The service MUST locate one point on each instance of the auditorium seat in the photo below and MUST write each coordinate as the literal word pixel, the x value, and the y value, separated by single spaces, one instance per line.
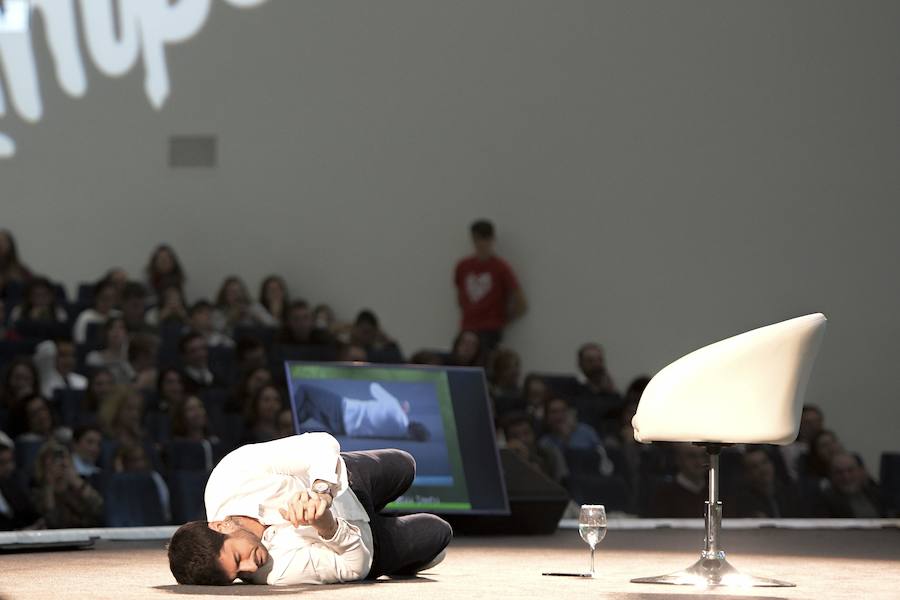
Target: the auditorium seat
pixel 187 488
pixel 889 479
pixel 69 404
pixel 26 455
pixel 132 500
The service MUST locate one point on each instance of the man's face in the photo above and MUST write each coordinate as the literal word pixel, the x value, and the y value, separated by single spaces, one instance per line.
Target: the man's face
pixel 557 414
pixel 846 475
pixel 88 447
pixel 105 299
pixel 759 470
pixel 300 321
pixel 242 553
pixel 195 353
pixel 522 432
pixel 7 463
pixel 691 462
pixel 593 361
pixel 483 246
pixel 65 358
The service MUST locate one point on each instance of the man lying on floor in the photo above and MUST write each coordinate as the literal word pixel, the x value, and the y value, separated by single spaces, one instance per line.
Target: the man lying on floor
pixel 297 510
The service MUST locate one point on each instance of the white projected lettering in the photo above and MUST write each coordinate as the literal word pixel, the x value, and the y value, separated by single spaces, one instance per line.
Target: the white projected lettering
pixel 116 34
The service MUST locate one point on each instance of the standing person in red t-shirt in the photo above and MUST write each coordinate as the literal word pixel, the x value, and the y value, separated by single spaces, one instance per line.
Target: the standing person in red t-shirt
pixel 487 289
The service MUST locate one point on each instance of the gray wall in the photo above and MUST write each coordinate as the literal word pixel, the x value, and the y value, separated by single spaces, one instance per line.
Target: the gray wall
pixel 663 175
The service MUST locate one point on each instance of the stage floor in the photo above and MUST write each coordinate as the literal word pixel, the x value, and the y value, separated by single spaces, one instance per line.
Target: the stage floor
pixel 863 564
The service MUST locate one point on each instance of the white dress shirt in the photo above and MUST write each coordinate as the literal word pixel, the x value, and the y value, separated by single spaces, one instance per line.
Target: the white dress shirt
pixel 257 480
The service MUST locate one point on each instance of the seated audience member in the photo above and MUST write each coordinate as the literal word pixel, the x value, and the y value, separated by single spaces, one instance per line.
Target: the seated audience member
pixel 195 358
pixel 247 388
pixel 274 297
pixel 171 389
pixel 20 380
pixel 822 447
pixel 200 320
pixel 86 445
pixel 34 422
pixel 119 278
pixel 262 416
pixel 521 439
pixel 599 400
pixel 16 508
pixel 134 309
pixel 684 495
pixel 563 431
pixel 102 310
pixel 851 493
pixel 503 373
pixel 12 269
pixel 285 423
pixel 466 350
pixel 7 333
pixel 113 356
pixel 38 304
pixel 170 310
pixel 298 327
pixel 142 355
pixel 121 416
pixel 425 357
pixel 794 455
pixel 250 354
pixel 352 353
pixel 60 495
pixel 190 422
pixel 164 270
pixel 535 393
pixel 367 333
pixel 324 319
pixel 234 308
pixel 763 496
pixel 56 363
pixel 100 385
pixel 632 452
pixel 132 458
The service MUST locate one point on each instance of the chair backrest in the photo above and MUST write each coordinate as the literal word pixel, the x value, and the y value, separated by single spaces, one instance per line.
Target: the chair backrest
pixel 745 389
pixel 132 500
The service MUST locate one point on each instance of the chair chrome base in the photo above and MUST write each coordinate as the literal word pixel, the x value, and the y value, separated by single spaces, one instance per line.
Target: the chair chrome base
pixel 713 572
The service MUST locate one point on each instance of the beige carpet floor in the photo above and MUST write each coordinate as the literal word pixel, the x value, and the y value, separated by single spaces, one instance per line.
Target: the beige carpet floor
pixel 824 564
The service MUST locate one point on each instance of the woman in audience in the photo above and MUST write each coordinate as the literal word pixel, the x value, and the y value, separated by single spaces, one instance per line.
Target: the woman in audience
pixel 171 308
pixel 262 418
pixel 121 416
pixel 163 270
pixel 170 389
pixel 234 308
pixel 113 356
pixel 61 496
pixel 503 373
pixel 285 423
pixel 247 388
pixel 39 304
pixel 466 350
pixel 11 267
pixel 190 422
pixel 100 385
pixel 823 446
pixel 20 380
pixel 143 351
pixel 34 422
pixel 105 298
pixel 274 297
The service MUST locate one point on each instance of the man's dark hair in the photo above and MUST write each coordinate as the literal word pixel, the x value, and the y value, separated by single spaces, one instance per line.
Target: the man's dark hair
pixel 245 345
pixel 194 555
pixel 187 339
pixel 513 418
pixel 199 305
pixel 366 316
pixel 482 229
pixel 83 430
pixel 132 290
pixel 585 347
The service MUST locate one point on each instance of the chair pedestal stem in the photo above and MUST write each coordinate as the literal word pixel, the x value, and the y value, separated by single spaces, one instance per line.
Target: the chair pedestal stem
pixel 713 570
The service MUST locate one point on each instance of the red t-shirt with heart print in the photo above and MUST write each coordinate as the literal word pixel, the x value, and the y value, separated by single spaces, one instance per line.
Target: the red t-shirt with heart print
pixel 484 287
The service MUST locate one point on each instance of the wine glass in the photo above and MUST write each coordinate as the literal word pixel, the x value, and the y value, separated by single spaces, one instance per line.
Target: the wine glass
pixel 592 527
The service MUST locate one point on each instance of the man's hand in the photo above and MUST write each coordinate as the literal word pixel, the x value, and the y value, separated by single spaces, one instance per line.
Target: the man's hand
pixel 308 508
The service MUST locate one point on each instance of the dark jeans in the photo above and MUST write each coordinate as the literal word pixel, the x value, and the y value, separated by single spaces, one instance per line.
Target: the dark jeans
pixel 403 544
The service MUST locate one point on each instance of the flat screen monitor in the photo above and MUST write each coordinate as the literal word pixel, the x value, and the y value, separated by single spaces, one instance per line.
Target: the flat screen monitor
pixel 440 415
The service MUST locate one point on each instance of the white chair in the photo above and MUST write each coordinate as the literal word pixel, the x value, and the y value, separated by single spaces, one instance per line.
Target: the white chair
pixel 745 389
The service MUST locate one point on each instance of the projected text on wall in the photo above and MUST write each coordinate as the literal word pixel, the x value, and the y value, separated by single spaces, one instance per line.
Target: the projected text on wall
pixel 116 34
